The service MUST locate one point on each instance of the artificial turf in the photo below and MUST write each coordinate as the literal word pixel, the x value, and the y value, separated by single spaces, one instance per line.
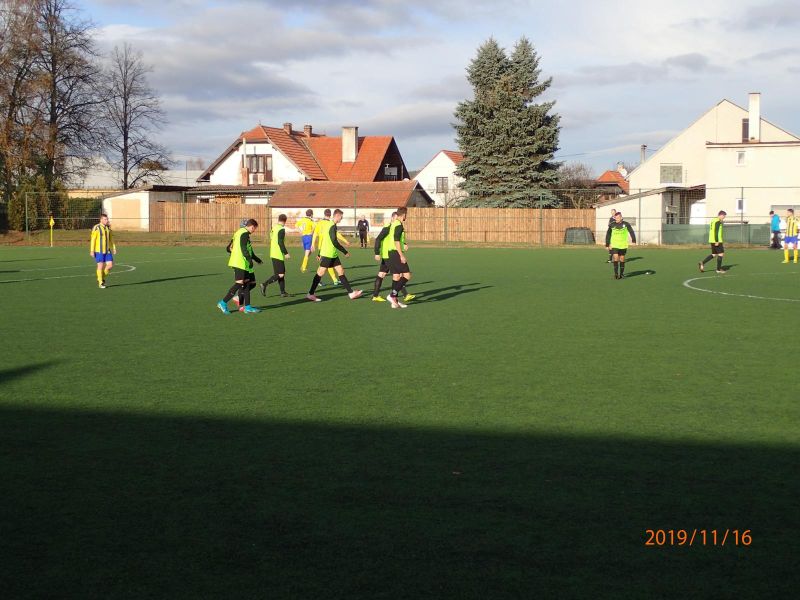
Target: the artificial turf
pixel 512 434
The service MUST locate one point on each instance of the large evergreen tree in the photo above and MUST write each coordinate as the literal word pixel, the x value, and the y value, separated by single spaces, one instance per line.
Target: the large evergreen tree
pixel 508 139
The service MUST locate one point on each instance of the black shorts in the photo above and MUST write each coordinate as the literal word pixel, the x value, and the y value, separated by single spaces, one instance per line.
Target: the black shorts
pixel 395 265
pixel 362 235
pixel 384 266
pixel 242 274
pixel 619 251
pixel 717 249
pixel 329 263
pixel 278 266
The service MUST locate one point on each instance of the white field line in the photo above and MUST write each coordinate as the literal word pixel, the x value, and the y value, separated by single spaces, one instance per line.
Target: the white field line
pixel 92 274
pixel 688 284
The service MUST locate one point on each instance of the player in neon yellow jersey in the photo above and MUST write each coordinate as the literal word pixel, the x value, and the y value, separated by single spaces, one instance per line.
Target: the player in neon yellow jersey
pixel 315 243
pixel 617 243
pixel 715 238
pixel 241 260
pixel 279 254
pixel 382 246
pixel 398 264
pixel 329 250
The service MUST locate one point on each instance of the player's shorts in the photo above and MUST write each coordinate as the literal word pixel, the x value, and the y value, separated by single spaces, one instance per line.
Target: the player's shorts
pixel 790 240
pixel 384 266
pixel 278 266
pixel 243 274
pixel 103 257
pixel 396 266
pixel 717 249
pixel 329 263
pixel 619 251
pixel 307 241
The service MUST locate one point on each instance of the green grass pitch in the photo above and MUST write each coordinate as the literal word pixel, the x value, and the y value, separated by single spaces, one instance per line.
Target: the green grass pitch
pixel 512 434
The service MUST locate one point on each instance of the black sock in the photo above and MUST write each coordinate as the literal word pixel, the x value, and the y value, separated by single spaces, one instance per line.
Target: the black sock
pixel 708 258
pixel 621 267
pixel 396 287
pixel 246 294
pixel 616 267
pixel 345 283
pixel 282 284
pixel 231 293
pixel 314 284
pixel 719 263
pixel 378 284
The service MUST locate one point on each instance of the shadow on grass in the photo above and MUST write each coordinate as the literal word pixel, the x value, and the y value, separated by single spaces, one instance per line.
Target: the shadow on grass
pixel 24 260
pixel 15 271
pixel 637 273
pixel 632 258
pixel 163 279
pixel 118 505
pixel 445 293
pixel 8 375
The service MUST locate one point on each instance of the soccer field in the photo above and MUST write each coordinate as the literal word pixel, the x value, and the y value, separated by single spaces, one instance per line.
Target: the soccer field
pixel 514 433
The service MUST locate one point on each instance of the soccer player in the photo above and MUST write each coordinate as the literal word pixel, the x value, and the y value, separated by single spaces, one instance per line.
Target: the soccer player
pixel 363 230
pixel 790 240
pixel 278 253
pixel 611 223
pixel 306 227
pixel 329 250
pixel 617 243
pixel 382 247
pixel 103 249
pixel 398 264
pixel 715 239
pixel 315 241
pixel 241 260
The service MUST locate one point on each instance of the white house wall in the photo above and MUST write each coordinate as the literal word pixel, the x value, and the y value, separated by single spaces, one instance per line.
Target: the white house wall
pixel 721 124
pixel 769 178
pixel 229 171
pixel 440 166
pixel 644 214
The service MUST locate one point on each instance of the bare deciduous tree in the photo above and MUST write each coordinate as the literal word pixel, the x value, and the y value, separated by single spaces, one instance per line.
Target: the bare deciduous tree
pixel 132 112
pixel 70 101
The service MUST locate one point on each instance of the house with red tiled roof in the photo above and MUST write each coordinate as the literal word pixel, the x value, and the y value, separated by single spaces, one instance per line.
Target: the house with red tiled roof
pixel 613 182
pixel 439 179
pixel 272 156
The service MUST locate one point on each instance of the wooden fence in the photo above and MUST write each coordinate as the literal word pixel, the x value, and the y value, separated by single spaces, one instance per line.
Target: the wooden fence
pixel 478 225
pixel 496 225
pixel 175 217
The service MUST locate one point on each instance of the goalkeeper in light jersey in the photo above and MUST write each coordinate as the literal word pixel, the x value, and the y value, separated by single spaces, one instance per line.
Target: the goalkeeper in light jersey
pixel 306 227
pixel 617 243
pixel 102 249
pixel 316 240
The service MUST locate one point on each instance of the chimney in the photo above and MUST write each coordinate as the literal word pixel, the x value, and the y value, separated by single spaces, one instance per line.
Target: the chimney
pixel 644 154
pixel 287 127
pixel 349 144
pixel 754 117
pixel 307 130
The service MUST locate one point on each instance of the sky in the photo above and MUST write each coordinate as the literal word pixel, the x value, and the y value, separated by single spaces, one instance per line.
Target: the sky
pixel 624 73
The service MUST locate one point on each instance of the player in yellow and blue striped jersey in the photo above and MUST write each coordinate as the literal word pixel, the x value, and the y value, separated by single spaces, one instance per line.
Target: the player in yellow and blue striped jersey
pixel 103 249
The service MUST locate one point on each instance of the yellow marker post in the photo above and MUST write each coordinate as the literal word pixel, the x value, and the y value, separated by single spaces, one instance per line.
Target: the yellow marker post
pixel 52 222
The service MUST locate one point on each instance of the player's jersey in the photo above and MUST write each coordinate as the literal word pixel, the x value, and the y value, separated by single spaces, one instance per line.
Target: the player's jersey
pixel 791 226
pixel 618 234
pixel 101 240
pixel 326 246
pixel 318 229
pixel 715 232
pixel 274 245
pixel 386 243
pixel 305 225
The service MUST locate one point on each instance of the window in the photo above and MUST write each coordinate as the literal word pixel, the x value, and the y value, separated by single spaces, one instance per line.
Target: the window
pixel 741 157
pixel 377 219
pixel 741 205
pixel 389 173
pixel 745 130
pixel 259 168
pixel 441 185
pixel 671 173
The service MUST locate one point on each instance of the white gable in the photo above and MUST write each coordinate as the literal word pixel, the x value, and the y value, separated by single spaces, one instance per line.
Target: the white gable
pixel 440 166
pixel 229 171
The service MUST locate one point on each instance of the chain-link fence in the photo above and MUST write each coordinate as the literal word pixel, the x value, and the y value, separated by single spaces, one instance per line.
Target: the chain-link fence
pixel 665 216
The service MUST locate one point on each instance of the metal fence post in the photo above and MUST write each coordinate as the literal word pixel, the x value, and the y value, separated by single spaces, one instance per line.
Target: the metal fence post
pixel 27 234
pixel 183 217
